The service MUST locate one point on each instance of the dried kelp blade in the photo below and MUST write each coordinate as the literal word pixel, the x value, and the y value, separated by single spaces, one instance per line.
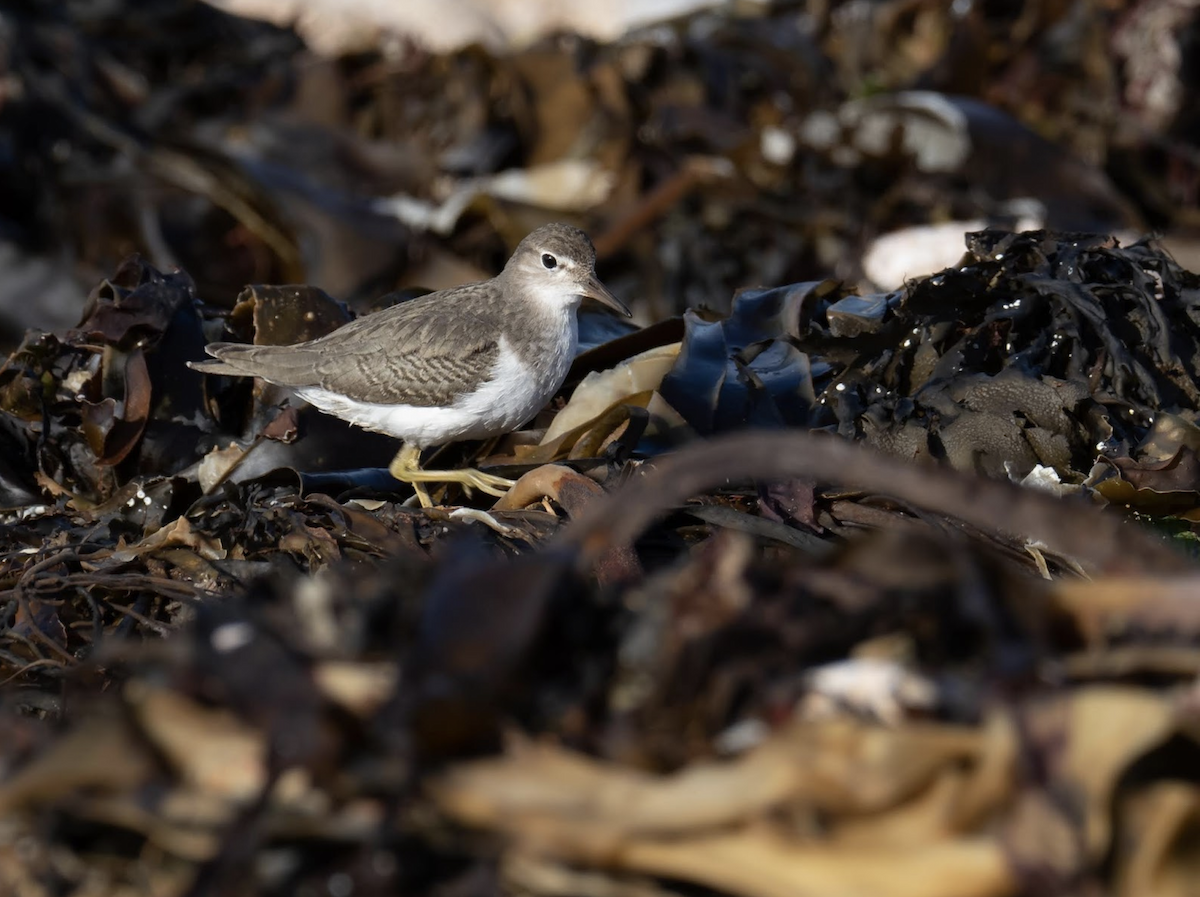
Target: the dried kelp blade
pixel 1079 532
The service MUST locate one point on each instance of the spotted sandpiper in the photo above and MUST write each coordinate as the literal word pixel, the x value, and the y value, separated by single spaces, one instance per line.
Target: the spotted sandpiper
pixel 470 362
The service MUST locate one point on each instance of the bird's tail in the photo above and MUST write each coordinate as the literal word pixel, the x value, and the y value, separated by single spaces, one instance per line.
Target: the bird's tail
pixel 226 357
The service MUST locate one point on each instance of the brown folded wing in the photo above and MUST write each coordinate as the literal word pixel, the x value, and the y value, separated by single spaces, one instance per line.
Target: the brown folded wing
pixel 416 353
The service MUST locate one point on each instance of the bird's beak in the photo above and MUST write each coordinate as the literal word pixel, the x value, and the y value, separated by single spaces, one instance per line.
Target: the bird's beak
pixel 594 289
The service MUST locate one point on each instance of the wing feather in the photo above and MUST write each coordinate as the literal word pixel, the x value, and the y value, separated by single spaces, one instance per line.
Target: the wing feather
pixel 425 352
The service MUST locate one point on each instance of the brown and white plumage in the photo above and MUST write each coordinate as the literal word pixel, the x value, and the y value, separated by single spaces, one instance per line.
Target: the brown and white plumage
pixel 469 362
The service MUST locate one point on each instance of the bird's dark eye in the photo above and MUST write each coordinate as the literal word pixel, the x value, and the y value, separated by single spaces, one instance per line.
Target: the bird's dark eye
pixel 549 261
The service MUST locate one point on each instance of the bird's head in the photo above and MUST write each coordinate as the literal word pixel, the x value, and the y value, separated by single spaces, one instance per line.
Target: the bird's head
pixel 556 264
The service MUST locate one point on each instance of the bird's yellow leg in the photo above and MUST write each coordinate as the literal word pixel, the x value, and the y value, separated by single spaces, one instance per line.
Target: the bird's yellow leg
pixel 406 467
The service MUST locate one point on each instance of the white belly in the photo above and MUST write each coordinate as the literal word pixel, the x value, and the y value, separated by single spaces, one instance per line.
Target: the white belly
pixel 514 393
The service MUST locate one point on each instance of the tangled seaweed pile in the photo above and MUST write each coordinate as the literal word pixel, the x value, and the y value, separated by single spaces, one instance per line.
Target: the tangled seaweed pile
pixel 767 612
pixel 768 662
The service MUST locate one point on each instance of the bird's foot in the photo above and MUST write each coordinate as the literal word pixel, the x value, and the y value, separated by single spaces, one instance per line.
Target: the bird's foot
pixel 406 468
